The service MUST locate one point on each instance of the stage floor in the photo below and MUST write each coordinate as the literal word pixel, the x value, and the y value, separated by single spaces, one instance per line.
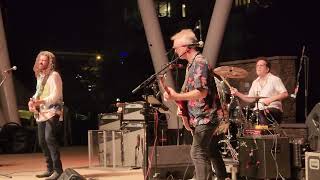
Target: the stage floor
pixel 25 166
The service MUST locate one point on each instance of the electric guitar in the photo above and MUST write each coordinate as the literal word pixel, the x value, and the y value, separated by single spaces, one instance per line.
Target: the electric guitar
pixel 182 105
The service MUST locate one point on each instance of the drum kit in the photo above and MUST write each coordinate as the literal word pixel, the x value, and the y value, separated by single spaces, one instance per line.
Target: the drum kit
pixel 238 117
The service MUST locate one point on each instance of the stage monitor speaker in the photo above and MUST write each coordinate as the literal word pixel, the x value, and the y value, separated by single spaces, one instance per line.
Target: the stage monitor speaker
pixel 313 125
pixel 173 162
pixel 264 157
pixel 70 174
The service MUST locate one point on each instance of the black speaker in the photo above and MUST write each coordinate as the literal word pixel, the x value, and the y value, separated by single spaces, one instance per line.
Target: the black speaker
pixel 172 162
pixel 70 174
pixel 264 157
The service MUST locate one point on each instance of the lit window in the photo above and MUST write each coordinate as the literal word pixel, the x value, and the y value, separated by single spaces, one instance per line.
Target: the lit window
pixel 164 9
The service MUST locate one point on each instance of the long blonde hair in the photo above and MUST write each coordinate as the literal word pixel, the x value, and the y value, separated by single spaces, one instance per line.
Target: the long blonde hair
pixel 51 65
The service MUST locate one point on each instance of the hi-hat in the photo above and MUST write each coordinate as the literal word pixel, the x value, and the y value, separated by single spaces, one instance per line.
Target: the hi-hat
pixel 230 72
pixel 256 97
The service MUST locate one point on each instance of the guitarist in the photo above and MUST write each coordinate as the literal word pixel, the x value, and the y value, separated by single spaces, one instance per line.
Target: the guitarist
pixel 199 91
pixel 46 104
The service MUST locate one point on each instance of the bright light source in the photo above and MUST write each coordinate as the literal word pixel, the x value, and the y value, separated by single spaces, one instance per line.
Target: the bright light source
pixel 184 14
pixel 98 57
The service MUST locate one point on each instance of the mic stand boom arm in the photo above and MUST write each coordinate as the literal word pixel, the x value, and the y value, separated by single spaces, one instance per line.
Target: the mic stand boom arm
pixel 144 85
pixel 153 76
pixel 4 78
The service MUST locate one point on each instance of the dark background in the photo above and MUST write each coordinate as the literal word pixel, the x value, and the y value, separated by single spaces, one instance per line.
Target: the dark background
pixel 77 30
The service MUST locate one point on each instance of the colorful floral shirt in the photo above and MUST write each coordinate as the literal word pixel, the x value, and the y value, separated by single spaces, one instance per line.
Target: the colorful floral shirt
pixel 201 111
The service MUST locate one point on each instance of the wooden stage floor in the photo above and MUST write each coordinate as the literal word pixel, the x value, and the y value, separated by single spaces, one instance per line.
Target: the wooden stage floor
pixel 25 166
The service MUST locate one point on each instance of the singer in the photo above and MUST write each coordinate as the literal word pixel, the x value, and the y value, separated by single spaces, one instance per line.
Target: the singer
pixel 199 92
pixel 268 90
pixel 46 104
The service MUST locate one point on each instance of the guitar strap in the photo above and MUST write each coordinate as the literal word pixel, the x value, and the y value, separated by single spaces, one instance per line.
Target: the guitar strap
pixel 41 82
pixel 183 88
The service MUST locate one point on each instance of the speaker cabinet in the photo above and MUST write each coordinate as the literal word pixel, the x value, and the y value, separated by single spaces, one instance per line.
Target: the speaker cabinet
pixel 109 121
pixel 312 165
pixel 264 157
pixel 172 161
pixel 70 174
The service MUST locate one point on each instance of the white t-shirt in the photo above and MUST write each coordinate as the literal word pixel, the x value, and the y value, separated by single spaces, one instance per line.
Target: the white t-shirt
pixel 273 86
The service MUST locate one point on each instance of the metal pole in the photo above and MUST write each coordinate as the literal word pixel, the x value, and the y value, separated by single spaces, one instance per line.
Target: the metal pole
pixel 7 92
pixel 216 29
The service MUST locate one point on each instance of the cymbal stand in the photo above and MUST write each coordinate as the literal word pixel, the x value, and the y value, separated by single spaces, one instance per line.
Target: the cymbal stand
pixel 229 147
pixel 257 112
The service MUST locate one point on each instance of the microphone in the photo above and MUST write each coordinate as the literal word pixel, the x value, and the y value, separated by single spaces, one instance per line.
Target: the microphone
pixel 172 66
pixel 200 29
pixel 197 44
pixel 11 69
pixel 294 95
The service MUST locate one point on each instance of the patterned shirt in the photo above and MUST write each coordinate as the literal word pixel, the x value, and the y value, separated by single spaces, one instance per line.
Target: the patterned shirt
pixel 198 76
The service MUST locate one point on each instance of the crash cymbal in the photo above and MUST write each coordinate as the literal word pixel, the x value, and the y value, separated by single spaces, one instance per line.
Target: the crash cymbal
pixel 230 72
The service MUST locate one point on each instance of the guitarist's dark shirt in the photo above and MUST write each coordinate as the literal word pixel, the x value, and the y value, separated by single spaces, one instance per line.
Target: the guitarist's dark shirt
pixel 201 111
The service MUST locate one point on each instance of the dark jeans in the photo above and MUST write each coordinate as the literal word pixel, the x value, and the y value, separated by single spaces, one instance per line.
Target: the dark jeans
pixel 204 151
pixel 47 135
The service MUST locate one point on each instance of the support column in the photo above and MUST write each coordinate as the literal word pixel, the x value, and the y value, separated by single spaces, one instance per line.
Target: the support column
pixel 157 50
pixel 8 105
pixel 216 29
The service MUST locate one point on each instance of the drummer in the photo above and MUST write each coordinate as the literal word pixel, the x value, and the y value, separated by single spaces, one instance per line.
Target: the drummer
pixel 268 90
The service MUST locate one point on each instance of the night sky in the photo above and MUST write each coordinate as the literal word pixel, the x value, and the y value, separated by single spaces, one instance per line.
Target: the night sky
pixel 114 29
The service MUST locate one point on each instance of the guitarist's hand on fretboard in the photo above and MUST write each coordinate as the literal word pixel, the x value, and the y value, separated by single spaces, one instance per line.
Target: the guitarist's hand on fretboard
pixel 32 106
pixel 169 94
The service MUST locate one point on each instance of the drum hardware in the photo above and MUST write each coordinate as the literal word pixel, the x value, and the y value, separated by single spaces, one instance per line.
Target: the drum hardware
pixel 256 101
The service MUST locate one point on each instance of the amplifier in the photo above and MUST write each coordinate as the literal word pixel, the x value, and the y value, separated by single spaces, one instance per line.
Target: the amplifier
pixel 132 111
pixel 173 162
pixel 109 121
pixel 312 165
pixel 264 157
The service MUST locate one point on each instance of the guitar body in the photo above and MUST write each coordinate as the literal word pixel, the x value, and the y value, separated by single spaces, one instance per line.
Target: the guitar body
pixel 182 105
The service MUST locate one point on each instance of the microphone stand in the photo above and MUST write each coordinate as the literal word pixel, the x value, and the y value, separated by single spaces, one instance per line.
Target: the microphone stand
pixel 306 86
pixel 2 81
pixel 4 78
pixel 144 85
pixel 304 61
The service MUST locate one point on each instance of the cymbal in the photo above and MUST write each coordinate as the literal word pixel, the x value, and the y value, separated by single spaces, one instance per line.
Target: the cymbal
pixel 257 97
pixel 230 72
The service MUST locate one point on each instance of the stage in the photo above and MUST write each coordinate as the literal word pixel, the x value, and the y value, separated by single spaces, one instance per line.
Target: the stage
pixel 25 166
